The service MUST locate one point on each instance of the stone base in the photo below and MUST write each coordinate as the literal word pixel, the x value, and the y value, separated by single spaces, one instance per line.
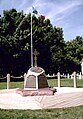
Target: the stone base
pixel 39 92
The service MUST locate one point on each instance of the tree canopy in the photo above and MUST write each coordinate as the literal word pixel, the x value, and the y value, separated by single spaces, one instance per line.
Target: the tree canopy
pixel 15 44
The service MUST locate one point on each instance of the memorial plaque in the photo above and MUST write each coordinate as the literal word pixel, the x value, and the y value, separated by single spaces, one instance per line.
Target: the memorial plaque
pixel 42 81
pixel 30 82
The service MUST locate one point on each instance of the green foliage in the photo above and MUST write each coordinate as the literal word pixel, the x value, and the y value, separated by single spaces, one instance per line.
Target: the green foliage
pixel 74 53
pixel 55 53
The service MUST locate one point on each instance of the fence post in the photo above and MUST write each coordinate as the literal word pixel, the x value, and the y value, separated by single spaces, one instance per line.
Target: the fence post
pixel 24 79
pixel 75 80
pixel 68 76
pixel 80 76
pixel 8 81
pixel 59 83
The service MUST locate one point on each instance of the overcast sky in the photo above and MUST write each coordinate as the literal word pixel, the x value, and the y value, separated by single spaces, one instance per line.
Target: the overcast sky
pixel 67 14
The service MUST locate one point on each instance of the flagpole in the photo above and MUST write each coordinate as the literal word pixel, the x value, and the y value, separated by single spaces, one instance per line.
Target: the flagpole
pixel 31 44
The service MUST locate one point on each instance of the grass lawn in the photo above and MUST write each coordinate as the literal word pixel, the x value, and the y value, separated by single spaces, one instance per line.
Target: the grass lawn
pixel 65 83
pixel 63 113
pixel 3 85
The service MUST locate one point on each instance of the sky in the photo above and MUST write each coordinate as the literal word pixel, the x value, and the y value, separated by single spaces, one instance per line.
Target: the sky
pixel 67 14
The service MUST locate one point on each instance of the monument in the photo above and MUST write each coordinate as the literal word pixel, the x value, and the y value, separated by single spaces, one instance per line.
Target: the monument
pixel 35 82
pixel 35 79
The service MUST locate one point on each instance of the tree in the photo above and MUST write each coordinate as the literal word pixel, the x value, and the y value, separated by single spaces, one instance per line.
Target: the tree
pixel 15 45
pixel 57 50
pixel 74 54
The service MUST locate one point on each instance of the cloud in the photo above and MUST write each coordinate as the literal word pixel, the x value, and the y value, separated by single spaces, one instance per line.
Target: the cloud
pixel 64 10
pixel 56 11
pixel 18 4
pixel 71 34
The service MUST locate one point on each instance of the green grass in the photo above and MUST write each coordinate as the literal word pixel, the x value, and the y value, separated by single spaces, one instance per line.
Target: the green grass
pixel 63 113
pixel 65 83
pixel 3 85
pixel 51 82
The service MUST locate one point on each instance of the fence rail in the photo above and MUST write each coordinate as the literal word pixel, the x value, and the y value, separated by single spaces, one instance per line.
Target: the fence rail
pixel 1 78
